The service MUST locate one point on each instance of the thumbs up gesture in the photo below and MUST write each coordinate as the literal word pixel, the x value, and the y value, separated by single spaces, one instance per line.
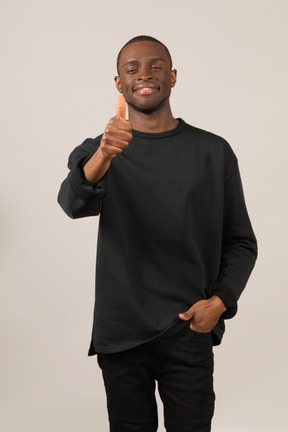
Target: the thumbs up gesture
pixel 117 134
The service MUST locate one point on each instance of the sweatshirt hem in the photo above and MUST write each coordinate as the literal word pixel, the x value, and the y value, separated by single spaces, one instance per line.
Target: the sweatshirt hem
pixel 171 329
pixel 217 335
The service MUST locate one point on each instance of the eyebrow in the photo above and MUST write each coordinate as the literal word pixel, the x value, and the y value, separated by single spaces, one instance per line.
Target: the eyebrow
pixel 137 62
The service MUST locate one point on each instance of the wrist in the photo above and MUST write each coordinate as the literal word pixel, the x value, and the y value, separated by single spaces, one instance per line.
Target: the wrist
pixel 218 304
pixel 104 158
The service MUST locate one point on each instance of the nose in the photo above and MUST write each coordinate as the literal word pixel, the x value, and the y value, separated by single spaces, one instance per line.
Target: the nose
pixel 144 74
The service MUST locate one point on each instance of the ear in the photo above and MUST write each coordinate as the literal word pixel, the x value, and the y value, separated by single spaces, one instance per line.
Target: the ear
pixel 173 77
pixel 118 83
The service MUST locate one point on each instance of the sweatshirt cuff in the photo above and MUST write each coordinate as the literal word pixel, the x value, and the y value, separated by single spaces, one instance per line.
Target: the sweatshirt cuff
pixel 82 187
pixel 228 298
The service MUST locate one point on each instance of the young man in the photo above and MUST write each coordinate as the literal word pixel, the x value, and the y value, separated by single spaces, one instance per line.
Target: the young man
pixel 175 247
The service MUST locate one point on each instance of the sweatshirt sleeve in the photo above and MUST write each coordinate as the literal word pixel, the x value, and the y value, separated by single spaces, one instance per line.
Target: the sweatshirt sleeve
pixel 239 246
pixel 77 197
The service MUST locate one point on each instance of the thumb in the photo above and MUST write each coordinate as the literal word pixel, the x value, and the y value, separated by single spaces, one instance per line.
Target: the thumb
pixel 121 107
pixel 185 316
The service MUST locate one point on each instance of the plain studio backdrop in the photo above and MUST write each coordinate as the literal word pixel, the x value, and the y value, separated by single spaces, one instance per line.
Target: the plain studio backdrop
pixel 57 77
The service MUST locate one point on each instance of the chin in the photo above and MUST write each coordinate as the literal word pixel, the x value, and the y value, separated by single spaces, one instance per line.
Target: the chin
pixel 143 109
pixel 147 110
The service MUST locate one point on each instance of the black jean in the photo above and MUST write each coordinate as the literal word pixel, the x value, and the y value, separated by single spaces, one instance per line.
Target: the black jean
pixel 181 363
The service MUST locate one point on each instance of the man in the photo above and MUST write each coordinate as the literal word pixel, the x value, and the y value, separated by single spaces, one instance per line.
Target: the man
pixel 175 247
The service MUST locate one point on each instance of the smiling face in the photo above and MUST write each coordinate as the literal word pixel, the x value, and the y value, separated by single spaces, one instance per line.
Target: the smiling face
pixel 145 76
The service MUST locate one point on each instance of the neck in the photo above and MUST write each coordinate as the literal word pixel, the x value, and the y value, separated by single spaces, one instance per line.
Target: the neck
pixel 156 122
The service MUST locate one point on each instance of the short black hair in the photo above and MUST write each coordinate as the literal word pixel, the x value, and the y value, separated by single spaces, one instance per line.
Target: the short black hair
pixel 143 38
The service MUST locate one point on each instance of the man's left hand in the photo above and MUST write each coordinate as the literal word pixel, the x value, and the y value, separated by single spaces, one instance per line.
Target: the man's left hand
pixel 204 314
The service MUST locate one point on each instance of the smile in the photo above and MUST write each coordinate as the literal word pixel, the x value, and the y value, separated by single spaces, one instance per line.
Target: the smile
pixel 146 90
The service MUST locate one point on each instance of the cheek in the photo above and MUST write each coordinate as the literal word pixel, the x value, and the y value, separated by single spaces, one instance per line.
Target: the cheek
pixel 125 87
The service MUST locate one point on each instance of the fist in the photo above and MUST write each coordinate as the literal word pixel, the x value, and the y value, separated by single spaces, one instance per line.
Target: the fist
pixel 117 134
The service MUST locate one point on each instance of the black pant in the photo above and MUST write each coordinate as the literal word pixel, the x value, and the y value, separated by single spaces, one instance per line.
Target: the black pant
pixel 181 363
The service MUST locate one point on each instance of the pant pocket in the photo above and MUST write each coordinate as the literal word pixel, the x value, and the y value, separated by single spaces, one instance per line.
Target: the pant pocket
pixel 196 333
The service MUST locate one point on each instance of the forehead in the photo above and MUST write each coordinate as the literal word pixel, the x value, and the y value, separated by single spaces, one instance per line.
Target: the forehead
pixel 143 51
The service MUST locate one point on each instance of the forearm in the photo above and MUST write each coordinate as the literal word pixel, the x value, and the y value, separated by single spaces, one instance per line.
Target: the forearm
pixel 96 167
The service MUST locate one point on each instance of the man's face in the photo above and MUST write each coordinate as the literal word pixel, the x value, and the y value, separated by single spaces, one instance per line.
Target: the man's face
pixel 145 76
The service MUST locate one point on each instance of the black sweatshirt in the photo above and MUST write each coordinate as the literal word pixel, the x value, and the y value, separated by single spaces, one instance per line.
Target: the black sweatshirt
pixel 173 230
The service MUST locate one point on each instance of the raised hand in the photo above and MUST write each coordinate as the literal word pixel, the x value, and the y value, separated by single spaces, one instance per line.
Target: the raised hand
pixel 117 134
pixel 115 139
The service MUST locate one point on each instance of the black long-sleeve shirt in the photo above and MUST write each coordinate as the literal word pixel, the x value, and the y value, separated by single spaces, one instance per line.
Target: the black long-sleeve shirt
pixel 173 230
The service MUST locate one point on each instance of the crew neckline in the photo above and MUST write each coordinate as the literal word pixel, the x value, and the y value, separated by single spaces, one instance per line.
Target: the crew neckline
pixel 167 133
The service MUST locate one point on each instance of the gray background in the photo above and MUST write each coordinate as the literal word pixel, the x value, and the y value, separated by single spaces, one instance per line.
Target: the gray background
pixel 57 88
